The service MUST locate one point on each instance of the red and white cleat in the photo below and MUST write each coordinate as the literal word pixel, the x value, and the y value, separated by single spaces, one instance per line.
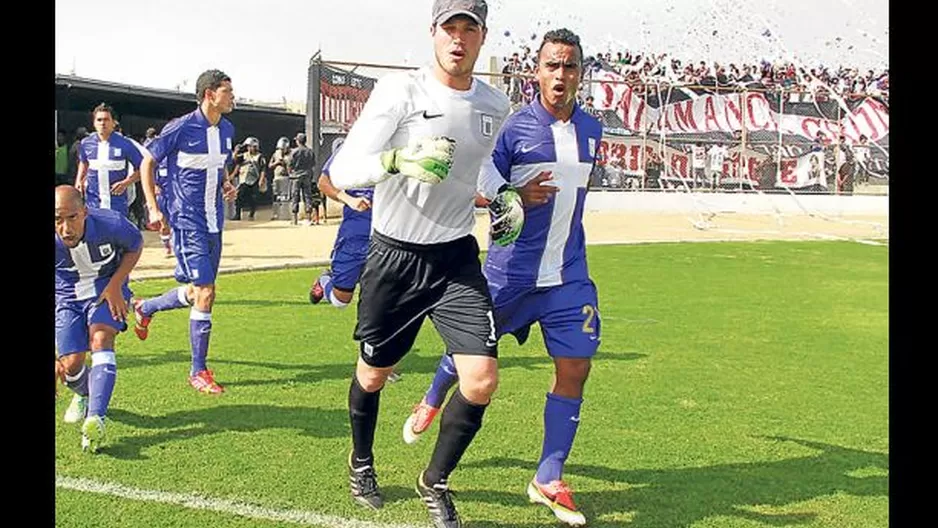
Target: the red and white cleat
pixel 204 381
pixel 557 496
pixel 419 421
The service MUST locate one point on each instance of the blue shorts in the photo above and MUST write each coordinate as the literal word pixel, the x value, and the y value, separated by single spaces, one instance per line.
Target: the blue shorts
pixel 568 315
pixel 198 255
pixel 73 320
pixel 161 204
pixel 348 259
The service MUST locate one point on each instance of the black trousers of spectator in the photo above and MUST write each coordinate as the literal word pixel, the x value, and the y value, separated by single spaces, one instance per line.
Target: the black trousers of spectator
pixel 303 189
pixel 137 208
pixel 247 198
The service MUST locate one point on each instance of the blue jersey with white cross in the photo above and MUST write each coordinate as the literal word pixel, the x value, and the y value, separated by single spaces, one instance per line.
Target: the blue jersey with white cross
pixel 196 153
pixel 107 164
pixel 82 272
pixel 161 178
pixel 354 223
pixel 551 249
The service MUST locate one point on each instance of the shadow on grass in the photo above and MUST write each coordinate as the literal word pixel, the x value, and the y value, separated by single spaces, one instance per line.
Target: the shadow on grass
pixel 135 360
pixel 674 498
pixel 267 257
pixel 183 425
pixel 411 364
pixel 260 302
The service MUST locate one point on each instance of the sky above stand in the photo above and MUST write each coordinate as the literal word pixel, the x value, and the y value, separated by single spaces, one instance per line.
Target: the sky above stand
pixel 166 44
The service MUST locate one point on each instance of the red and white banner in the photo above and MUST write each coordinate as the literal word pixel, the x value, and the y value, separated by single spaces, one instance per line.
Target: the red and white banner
pixel 626 155
pixel 726 113
pixel 342 96
pixel 804 171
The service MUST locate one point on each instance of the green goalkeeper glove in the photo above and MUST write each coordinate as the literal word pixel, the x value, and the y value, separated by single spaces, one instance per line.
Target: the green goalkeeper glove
pixel 428 159
pixel 507 216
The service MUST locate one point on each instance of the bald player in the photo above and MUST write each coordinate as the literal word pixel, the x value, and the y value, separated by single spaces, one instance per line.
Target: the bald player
pixel 95 251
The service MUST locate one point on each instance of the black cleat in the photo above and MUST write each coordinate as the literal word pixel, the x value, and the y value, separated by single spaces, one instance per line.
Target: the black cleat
pixel 439 502
pixel 364 486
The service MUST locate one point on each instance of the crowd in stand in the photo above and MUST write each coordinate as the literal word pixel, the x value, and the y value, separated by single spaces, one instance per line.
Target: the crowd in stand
pixel 819 82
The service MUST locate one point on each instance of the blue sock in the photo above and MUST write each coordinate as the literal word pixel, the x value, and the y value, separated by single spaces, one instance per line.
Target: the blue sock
pixel 174 298
pixel 561 418
pixel 328 289
pixel 325 280
pixel 443 380
pixel 200 331
pixel 79 382
pixel 101 381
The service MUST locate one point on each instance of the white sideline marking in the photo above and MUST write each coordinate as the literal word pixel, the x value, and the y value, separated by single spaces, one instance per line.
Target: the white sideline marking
pixel 234 507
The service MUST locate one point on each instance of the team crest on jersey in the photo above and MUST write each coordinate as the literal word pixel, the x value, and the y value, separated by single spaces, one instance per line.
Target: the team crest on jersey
pixel 488 125
pixel 228 142
pixel 592 143
pixel 117 152
pixel 105 250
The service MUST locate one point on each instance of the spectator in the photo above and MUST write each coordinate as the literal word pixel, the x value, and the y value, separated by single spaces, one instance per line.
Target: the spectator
pixel 717 154
pixel 590 109
pixel 252 172
pixel 279 165
pixel 698 163
pixel 80 134
pixel 61 158
pixel 861 153
pixel 302 165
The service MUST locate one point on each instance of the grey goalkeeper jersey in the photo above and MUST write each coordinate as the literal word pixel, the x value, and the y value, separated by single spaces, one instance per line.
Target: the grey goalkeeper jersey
pixel 413 105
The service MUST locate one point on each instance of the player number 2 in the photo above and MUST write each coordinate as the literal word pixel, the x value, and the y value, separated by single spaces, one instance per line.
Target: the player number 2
pixel 589 312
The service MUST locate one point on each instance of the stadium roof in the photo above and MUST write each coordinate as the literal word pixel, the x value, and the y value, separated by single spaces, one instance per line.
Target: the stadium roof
pixel 83 83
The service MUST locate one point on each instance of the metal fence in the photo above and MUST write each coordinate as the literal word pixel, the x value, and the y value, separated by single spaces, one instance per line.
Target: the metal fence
pixel 700 138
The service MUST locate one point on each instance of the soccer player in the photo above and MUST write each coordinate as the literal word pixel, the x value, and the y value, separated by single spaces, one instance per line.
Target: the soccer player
pixel 95 251
pixel 350 248
pixel 162 195
pixel 351 243
pixel 543 277
pixel 102 164
pixel 197 147
pixel 420 141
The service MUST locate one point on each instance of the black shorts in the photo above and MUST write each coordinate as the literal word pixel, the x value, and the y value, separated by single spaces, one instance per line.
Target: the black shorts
pixel 402 283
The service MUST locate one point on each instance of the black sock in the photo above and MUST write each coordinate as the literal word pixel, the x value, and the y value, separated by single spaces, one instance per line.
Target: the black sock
pixel 460 422
pixel 363 414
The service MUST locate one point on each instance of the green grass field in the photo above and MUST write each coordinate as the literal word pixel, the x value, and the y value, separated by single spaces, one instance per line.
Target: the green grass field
pixel 737 385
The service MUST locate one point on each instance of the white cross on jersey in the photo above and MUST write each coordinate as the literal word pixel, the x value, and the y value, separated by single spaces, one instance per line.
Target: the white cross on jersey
pixel 87 269
pixel 570 174
pixel 103 164
pixel 212 163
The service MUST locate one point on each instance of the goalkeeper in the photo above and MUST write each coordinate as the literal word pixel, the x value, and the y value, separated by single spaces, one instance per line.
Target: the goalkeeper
pixel 546 147
pixel 420 141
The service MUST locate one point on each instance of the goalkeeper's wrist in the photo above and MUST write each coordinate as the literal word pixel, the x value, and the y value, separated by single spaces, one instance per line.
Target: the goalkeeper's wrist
pixel 504 191
pixel 389 161
pixel 505 187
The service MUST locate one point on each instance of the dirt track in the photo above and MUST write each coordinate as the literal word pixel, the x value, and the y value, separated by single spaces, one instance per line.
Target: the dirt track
pixel 268 244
